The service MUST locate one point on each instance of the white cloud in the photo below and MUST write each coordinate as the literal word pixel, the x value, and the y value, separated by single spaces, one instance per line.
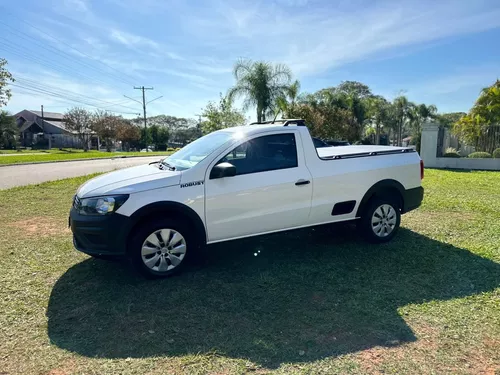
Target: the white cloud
pixel 292 3
pixel 323 37
pixel 77 5
pixel 461 79
pixel 132 41
pixel 202 40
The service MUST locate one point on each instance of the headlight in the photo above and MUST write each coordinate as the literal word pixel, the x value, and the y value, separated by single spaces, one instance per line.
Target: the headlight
pixel 99 205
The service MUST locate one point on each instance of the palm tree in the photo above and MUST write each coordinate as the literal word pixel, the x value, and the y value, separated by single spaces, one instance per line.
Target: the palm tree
pixel 260 83
pixel 292 93
pixel 378 111
pixel 417 116
pixel 403 113
pixel 286 103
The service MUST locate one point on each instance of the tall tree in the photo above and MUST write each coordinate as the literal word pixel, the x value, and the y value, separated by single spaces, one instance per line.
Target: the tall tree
pixel 352 97
pixel 80 121
pixel 159 137
pixel 347 103
pixel 260 84
pixel 106 127
pixel 287 102
pixel 378 113
pixel 474 127
pixel 5 78
pixel 487 106
pixel 128 134
pixel 418 115
pixel 448 119
pixel 354 89
pixel 403 112
pixel 221 115
pixel 8 131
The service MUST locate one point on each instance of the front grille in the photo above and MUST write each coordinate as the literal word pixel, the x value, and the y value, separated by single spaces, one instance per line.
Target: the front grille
pixel 76 203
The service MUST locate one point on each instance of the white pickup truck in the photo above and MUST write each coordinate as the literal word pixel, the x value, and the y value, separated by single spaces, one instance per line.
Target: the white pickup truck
pixel 240 182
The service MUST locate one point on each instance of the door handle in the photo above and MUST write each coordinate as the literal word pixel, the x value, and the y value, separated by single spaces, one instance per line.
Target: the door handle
pixel 302 182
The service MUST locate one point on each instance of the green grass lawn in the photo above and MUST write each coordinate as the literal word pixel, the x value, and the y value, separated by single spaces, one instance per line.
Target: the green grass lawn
pixel 32 151
pixel 57 155
pixel 315 301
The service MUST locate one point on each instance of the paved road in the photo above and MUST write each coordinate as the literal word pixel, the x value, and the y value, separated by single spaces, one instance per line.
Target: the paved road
pixel 20 175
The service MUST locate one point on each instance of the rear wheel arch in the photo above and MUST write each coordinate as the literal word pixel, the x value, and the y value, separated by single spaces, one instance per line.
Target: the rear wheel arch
pixel 391 188
pixel 168 209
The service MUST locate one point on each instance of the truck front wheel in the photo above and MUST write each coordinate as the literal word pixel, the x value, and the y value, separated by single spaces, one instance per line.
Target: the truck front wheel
pixel 380 220
pixel 161 248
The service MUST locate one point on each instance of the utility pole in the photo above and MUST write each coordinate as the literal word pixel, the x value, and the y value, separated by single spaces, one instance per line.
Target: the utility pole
pixel 43 126
pixel 143 101
pixel 43 129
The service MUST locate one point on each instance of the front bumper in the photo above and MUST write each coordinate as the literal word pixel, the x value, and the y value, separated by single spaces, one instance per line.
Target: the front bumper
pixel 413 199
pixel 99 235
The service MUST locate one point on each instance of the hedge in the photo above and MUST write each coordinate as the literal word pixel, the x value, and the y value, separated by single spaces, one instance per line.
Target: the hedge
pixel 480 155
pixel 496 153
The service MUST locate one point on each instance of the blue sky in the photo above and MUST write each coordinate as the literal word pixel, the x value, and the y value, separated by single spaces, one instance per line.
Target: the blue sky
pixel 436 52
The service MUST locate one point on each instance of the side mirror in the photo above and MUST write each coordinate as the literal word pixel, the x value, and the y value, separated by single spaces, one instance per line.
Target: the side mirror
pixel 222 170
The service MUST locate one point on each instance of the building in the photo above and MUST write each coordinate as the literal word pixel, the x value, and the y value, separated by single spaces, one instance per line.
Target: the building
pixel 33 130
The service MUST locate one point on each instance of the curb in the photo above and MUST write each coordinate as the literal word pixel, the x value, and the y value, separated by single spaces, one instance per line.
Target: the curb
pixel 89 159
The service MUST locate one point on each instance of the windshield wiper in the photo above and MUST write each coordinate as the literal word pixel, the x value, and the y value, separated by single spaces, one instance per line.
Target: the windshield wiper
pixel 166 165
pixel 163 164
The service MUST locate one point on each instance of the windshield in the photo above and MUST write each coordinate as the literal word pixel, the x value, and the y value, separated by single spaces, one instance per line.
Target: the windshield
pixel 196 151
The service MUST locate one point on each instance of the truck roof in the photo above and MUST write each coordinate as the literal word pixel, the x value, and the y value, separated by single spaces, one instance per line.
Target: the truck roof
pixel 250 129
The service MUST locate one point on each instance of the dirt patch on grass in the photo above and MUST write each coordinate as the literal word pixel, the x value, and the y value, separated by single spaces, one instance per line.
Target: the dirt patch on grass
pixel 66 368
pixel 40 226
pixel 420 351
pixel 423 351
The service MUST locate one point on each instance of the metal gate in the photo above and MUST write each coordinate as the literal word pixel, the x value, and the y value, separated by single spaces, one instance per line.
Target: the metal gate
pixel 440 142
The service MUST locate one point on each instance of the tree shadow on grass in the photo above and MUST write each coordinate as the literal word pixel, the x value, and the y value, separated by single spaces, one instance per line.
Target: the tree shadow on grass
pixel 290 297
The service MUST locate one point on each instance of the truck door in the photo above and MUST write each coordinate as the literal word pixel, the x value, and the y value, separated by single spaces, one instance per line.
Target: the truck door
pixel 272 188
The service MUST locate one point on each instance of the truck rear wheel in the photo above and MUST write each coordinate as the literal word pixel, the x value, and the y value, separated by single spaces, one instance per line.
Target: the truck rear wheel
pixel 161 248
pixel 380 220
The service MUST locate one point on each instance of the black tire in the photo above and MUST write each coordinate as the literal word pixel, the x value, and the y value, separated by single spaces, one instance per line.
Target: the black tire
pixel 150 227
pixel 368 230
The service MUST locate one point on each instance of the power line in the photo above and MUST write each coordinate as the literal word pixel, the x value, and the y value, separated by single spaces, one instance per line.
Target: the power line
pixel 121 102
pixel 60 91
pixel 56 51
pixel 55 66
pixel 73 48
pixel 60 98
pixel 67 92
pixel 31 89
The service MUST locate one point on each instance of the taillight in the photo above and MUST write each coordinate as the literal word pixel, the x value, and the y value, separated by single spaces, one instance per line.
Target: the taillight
pixel 421 169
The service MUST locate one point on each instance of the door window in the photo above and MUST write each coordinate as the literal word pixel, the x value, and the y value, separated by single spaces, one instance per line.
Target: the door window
pixel 265 153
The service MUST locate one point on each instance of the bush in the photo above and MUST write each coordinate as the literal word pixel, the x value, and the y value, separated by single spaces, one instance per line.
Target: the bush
pixel 451 155
pixel 177 149
pixel 480 155
pixel 451 152
pixel 496 153
pixel 170 149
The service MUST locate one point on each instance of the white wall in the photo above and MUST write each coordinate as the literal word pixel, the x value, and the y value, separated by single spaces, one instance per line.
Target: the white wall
pixel 466 163
pixel 428 154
